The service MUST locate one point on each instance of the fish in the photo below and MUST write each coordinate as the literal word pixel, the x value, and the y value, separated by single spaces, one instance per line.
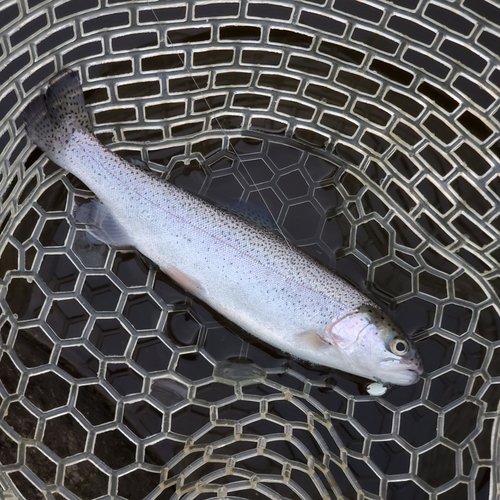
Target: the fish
pixel 249 274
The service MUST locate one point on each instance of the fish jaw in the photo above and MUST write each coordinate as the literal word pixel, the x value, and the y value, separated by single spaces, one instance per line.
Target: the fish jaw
pixel 401 371
pixel 401 375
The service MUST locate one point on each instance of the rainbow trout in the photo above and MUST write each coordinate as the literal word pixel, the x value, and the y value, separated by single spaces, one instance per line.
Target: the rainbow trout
pixel 248 274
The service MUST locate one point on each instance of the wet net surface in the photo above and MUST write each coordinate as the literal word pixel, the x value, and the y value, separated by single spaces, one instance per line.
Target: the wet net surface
pixel 369 130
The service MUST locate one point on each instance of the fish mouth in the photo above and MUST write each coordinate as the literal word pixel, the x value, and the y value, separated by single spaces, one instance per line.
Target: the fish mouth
pixel 404 374
pixel 414 365
pixel 407 377
pixel 414 374
pixel 417 369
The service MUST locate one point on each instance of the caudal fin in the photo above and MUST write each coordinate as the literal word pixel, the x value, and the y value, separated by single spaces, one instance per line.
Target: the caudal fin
pixel 52 117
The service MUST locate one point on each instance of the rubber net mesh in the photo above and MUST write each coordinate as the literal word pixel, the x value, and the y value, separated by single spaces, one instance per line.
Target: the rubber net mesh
pixel 369 131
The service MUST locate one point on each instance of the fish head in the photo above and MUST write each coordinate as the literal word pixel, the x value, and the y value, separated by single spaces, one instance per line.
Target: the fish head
pixel 375 347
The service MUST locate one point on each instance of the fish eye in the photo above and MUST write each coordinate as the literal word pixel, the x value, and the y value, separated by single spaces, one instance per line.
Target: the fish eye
pixel 400 346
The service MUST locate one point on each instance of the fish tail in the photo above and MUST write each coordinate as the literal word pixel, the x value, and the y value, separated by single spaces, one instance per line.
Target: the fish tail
pixel 52 117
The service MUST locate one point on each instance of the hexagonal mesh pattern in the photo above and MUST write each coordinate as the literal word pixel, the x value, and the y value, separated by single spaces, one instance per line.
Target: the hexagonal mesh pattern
pixel 369 130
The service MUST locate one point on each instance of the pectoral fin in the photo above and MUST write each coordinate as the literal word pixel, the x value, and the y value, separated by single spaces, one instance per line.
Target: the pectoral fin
pixel 312 339
pixel 187 282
